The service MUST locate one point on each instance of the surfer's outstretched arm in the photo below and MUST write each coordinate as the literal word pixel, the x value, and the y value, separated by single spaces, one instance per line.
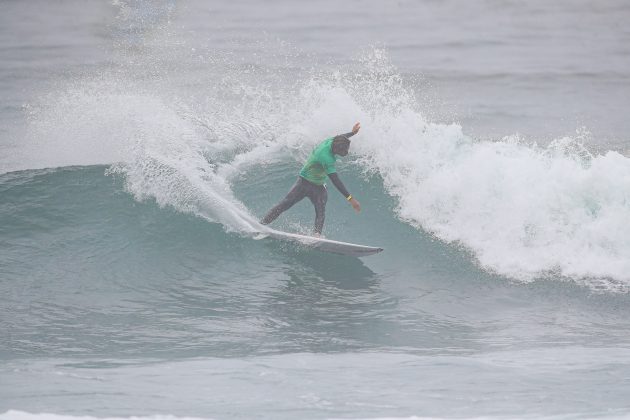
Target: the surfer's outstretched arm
pixel 338 184
pixel 342 150
pixel 348 135
pixel 342 189
pixel 355 130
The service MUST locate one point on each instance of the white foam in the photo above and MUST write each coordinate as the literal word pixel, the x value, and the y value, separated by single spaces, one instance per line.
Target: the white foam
pixel 525 211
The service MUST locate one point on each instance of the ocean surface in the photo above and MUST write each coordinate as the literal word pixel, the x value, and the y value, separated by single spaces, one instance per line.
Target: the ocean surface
pixel 140 141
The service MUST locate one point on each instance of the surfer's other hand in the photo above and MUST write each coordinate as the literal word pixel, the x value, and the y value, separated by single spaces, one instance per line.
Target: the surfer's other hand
pixel 356 128
pixel 355 204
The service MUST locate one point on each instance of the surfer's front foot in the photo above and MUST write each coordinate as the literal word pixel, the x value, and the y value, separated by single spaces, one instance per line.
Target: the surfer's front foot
pixel 318 235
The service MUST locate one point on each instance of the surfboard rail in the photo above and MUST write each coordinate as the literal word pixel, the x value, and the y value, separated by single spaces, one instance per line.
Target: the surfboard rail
pixel 323 244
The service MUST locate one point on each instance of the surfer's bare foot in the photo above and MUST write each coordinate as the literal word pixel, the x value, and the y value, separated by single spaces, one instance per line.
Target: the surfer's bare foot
pixel 317 235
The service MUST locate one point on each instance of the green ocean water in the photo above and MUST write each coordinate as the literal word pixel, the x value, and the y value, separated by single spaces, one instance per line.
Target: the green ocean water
pixel 140 142
pixel 148 310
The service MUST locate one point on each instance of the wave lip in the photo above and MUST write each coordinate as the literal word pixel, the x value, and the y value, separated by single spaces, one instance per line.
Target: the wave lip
pixel 524 211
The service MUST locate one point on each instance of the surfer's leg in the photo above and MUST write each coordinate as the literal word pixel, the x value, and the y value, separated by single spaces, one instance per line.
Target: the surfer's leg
pixel 318 196
pixel 297 193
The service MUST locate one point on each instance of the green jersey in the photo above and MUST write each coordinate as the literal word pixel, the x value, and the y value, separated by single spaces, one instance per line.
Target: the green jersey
pixel 320 163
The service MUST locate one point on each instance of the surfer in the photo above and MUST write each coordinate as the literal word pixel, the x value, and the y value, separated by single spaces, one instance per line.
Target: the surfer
pixel 310 183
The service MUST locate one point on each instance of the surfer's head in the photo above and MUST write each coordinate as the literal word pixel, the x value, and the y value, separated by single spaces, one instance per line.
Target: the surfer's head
pixel 340 145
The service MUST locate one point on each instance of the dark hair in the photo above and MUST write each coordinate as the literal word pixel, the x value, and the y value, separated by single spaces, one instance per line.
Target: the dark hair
pixel 341 145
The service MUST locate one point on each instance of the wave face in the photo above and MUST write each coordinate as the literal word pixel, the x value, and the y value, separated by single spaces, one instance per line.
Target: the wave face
pixel 185 124
pixel 523 210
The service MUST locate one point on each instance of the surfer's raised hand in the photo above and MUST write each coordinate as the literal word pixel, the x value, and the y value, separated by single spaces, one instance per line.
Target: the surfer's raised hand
pixel 356 128
pixel 355 204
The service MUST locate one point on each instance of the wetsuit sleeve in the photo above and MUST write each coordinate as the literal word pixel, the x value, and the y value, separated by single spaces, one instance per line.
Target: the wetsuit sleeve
pixel 337 182
pixel 348 135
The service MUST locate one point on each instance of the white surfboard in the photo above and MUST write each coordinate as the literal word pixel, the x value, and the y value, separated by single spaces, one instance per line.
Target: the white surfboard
pixel 327 245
